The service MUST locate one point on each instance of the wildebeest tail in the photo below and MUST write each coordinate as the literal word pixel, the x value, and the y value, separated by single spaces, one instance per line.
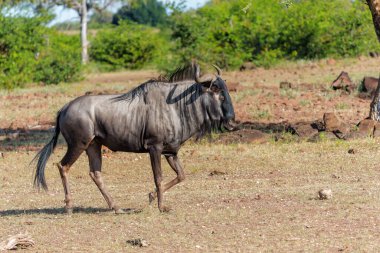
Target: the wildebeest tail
pixel 43 156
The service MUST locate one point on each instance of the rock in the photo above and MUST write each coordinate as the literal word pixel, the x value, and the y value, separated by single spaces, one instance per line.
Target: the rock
pixel 373 54
pixel 325 194
pixel 320 136
pixel 367 127
pixel 286 85
pixel 369 84
pixel 216 173
pixel 303 129
pixel 243 136
pixel 138 242
pixel 247 66
pixel 331 61
pixel 335 125
pixel 351 151
pixel 233 86
pixel 343 82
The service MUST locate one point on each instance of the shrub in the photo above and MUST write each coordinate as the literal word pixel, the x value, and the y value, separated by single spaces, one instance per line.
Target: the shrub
pixel 20 40
pixel 264 31
pixel 30 51
pixel 125 46
pixel 61 61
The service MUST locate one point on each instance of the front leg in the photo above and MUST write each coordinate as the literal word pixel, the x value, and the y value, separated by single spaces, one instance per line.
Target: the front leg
pixel 177 167
pixel 155 158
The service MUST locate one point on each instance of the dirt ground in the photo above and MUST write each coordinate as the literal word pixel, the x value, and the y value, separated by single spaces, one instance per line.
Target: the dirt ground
pixel 237 197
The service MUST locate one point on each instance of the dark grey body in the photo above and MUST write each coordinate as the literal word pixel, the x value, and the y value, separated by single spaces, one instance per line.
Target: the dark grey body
pixel 133 125
pixel 156 117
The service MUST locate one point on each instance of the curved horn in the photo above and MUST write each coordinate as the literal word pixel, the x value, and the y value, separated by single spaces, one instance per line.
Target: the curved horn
pixel 218 70
pixel 197 71
pixel 203 79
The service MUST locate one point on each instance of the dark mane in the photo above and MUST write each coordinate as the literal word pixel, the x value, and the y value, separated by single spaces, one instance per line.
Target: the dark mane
pixel 184 73
pixel 136 92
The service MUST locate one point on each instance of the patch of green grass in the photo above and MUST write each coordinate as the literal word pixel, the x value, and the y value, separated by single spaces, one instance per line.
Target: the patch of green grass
pixel 304 102
pixel 342 106
pixel 240 95
pixel 261 114
pixel 289 93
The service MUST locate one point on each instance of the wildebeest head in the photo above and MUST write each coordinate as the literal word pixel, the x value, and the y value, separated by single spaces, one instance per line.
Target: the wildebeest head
pixel 219 105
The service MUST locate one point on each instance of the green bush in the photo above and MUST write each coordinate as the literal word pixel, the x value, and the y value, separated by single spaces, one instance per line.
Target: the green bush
pixel 32 52
pixel 61 61
pixel 264 31
pixel 126 46
pixel 20 40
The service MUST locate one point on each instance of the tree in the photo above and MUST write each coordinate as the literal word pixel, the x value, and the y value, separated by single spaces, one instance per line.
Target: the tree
pixel 374 7
pixel 82 7
pixel 147 12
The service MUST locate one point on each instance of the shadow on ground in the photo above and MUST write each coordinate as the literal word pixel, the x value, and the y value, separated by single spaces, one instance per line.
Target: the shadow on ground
pixel 25 139
pixel 54 211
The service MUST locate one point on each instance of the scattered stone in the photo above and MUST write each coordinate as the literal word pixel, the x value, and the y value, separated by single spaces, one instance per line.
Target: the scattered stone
pixel 335 125
pixel 343 82
pixel 367 127
pixel 247 66
pixel 138 242
pixel 243 136
pixel 331 61
pixel 351 151
pixel 234 86
pixel 286 85
pixel 321 136
pixel 325 194
pixel 216 173
pixel 303 129
pixel 364 129
pixel 369 84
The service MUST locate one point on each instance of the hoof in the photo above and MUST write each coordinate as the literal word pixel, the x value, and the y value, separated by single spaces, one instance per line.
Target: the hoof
pixel 165 209
pixel 68 210
pixel 119 211
pixel 152 197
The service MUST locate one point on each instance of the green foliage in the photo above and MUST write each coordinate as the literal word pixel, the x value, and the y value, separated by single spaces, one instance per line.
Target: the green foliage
pixel 147 12
pixel 20 40
pixel 31 52
pixel 60 62
pixel 265 31
pixel 126 46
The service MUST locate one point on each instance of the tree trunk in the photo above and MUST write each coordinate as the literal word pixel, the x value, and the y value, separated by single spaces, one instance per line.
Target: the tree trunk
pixel 83 25
pixel 374 7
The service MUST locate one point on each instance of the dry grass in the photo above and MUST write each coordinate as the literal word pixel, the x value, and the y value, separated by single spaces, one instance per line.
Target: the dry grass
pixel 266 201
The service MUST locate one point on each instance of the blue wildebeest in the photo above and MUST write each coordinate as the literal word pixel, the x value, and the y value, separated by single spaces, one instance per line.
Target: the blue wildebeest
pixel 157 117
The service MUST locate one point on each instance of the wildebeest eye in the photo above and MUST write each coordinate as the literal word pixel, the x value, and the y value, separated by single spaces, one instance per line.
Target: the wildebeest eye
pixel 214 88
pixel 221 97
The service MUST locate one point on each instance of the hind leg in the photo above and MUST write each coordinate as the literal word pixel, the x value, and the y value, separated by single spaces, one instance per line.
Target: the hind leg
pixel 70 157
pixel 95 160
